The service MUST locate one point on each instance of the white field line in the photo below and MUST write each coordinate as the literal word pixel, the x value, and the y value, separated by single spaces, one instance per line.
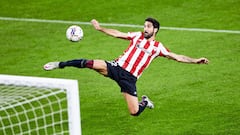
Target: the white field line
pixel 118 25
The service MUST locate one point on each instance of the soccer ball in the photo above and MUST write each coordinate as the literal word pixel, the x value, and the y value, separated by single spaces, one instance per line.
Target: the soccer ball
pixel 74 33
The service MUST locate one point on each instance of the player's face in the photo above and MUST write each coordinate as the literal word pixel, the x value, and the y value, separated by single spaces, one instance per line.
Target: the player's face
pixel 148 30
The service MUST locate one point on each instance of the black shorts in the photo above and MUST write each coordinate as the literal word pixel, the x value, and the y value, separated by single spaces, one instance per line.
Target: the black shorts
pixel 124 79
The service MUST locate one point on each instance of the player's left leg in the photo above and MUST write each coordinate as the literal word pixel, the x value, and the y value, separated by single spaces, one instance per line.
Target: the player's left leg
pixel 136 108
pixel 132 102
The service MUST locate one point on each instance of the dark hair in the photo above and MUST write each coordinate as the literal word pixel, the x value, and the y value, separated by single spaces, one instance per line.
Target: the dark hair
pixel 155 23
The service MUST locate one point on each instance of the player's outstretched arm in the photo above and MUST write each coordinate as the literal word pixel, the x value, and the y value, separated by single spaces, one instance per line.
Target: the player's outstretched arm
pixel 186 59
pixel 111 32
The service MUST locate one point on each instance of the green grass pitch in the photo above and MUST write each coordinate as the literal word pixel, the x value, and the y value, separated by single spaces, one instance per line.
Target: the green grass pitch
pixel 189 99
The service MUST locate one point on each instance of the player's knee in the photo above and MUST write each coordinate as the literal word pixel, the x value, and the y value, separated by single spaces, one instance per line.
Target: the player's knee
pixel 100 66
pixel 134 112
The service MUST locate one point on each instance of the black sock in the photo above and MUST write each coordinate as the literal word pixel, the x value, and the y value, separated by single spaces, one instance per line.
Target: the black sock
pixel 79 63
pixel 142 106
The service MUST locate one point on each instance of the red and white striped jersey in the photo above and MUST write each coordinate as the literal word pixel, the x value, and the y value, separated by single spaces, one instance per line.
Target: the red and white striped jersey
pixel 140 53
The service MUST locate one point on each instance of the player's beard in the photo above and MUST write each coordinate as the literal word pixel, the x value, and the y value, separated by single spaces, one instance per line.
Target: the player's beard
pixel 148 35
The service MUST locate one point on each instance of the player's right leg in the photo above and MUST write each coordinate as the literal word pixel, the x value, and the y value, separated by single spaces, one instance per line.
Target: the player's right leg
pixel 79 63
pixel 97 65
pixel 51 65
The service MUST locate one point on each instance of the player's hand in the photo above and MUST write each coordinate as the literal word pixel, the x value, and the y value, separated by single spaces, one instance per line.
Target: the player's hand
pixel 202 61
pixel 95 24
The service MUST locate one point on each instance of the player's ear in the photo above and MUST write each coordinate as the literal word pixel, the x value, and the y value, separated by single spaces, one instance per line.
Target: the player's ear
pixel 155 30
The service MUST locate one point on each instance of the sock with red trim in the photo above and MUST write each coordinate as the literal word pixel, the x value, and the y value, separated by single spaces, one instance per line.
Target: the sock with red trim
pixel 79 63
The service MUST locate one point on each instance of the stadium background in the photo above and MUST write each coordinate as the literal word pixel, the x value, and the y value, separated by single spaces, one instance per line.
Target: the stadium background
pixel 189 99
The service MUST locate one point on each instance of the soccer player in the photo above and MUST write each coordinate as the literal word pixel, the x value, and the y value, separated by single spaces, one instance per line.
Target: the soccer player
pixel 127 68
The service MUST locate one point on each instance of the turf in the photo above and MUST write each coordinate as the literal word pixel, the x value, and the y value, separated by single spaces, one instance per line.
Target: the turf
pixel 189 99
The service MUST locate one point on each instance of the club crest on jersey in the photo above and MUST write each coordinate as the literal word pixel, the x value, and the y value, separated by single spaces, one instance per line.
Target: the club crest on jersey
pixel 154 50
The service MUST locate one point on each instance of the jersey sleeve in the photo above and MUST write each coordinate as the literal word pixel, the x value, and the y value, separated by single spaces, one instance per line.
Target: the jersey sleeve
pixel 163 50
pixel 131 35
